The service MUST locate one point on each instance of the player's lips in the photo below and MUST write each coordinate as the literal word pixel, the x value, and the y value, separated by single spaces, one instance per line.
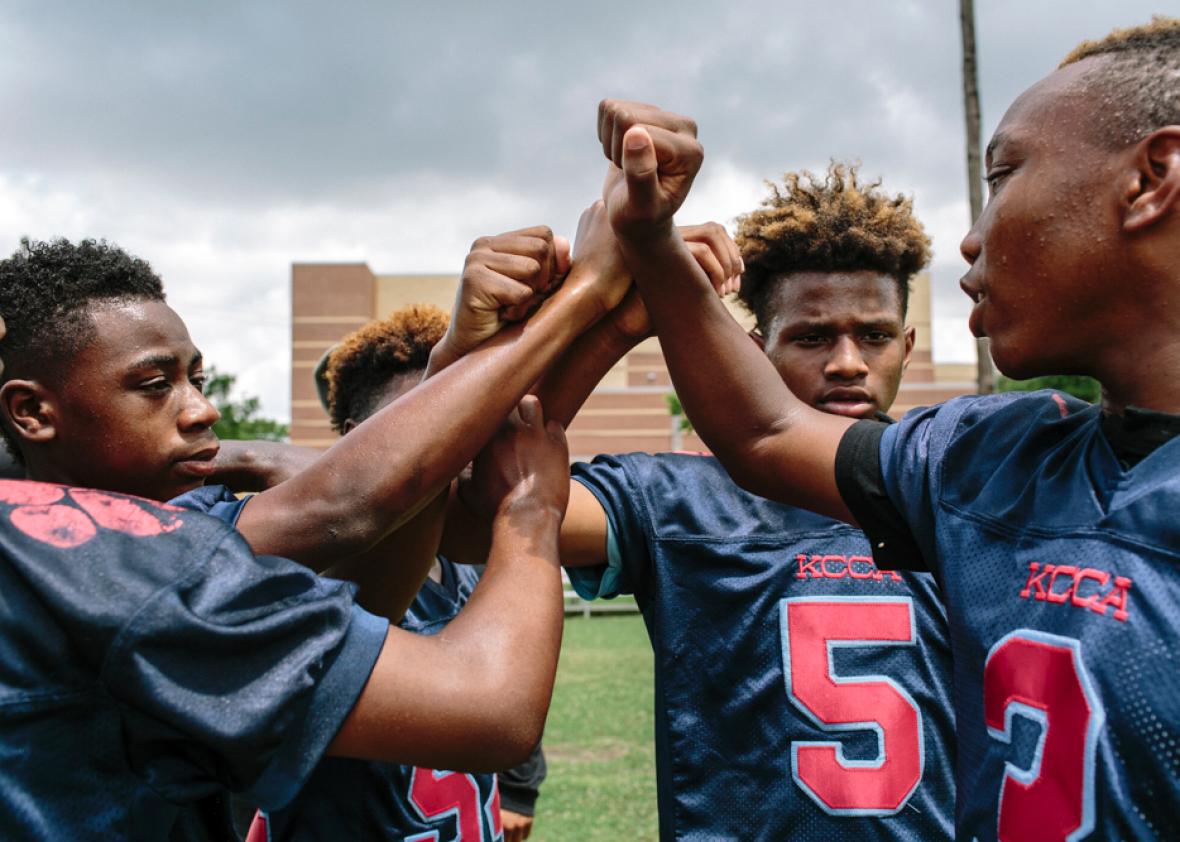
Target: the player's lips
pixel 976 294
pixel 198 463
pixel 849 401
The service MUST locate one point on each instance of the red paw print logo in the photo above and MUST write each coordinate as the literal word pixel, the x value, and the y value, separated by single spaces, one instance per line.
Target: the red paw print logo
pixel 44 512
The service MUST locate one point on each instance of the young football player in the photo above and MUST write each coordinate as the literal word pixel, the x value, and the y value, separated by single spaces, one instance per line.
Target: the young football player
pixel 1049 523
pixel 797 686
pixel 151 660
pixel 102 387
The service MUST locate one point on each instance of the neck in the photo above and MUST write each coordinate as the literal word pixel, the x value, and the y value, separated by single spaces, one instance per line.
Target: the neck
pixel 1148 378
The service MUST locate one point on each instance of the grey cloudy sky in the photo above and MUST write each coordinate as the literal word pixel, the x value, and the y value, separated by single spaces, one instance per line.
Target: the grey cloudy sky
pixel 224 140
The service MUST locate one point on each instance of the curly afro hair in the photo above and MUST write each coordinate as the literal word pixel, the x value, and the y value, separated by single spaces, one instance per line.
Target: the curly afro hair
pixel 46 292
pixel 1140 84
pixel 362 365
pixel 831 225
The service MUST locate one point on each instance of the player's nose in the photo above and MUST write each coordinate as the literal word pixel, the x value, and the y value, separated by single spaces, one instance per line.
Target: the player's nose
pixel 198 412
pixel 846 361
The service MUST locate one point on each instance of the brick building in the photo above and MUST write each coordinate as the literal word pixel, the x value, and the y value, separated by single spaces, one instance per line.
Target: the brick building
pixel 628 411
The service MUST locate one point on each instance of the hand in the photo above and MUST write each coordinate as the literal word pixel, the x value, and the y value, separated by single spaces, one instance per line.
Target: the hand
pixel 598 263
pixel 715 252
pixel 504 278
pixel 657 157
pixel 526 464
pixel 516 827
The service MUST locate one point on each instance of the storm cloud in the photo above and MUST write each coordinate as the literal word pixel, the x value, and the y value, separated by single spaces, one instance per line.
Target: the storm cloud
pixel 224 140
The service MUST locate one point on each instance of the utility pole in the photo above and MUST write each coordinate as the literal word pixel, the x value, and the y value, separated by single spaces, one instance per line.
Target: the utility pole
pixel 985 377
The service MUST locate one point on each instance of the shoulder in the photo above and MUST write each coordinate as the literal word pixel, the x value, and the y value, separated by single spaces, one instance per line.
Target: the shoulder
pixel 984 424
pixel 95 558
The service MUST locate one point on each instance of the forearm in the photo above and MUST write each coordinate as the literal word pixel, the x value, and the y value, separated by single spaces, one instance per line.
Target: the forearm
pixel 771 442
pixel 475 695
pixel 567 383
pixel 390 574
pixel 410 449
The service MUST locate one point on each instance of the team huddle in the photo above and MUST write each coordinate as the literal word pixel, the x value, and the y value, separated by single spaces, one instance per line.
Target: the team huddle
pixel 961 624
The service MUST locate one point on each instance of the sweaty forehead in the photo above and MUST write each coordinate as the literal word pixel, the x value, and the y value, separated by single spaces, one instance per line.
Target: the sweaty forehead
pixel 124 332
pixel 1056 107
pixel 834 296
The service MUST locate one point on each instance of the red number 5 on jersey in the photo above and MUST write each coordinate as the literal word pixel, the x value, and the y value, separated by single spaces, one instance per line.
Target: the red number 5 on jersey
pixel 812 627
pixel 437 794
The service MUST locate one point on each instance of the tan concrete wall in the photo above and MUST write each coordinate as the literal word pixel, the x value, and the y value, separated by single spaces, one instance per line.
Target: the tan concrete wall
pixel 627 412
pixel 394 291
pixel 328 300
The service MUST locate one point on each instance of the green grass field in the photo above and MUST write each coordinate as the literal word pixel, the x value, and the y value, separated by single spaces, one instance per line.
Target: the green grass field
pixel 599 737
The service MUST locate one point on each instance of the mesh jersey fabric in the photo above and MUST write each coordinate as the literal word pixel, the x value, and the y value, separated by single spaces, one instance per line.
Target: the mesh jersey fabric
pixel 771 721
pixel 358 799
pixel 1061 577
pixel 149 660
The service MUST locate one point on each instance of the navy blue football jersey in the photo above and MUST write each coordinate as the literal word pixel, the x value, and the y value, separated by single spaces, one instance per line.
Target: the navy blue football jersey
pixel 801 693
pixel 1061 571
pixel 356 799
pixel 148 660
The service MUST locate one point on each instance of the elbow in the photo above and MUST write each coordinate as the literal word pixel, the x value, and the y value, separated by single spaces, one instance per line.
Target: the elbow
pixel 514 708
pixel 512 745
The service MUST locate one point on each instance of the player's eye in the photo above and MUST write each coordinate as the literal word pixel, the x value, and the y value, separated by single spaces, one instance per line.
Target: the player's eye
pixel 995 179
pixel 199 380
pixel 155 385
pixel 810 340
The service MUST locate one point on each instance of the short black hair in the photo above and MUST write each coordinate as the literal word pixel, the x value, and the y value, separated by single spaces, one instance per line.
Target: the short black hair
pixel 46 290
pixel 365 361
pixel 833 224
pixel 1139 81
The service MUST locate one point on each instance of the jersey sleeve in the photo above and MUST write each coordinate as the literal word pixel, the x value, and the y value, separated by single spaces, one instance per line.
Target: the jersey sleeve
pixel 213 500
pixel 861 481
pixel 241 671
pixel 911 457
pixel 628 566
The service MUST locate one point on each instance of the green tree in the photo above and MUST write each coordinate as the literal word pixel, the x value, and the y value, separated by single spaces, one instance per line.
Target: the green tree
pixel 677 411
pixel 1086 388
pixel 239 418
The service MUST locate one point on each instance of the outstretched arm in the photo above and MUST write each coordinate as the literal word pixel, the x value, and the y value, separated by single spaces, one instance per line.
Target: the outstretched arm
pixel 771 442
pixel 475 696
pixel 397 459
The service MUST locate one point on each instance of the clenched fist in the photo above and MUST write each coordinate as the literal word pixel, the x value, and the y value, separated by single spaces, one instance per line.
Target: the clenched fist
pixel 655 157
pixel 505 278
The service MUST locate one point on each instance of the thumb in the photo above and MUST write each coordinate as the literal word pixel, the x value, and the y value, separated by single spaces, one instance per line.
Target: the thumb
pixel 641 169
pixel 561 256
pixel 530 411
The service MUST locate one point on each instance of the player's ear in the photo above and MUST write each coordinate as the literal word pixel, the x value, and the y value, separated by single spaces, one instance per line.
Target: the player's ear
pixel 348 426
pixel 910 335
pixel 1153 189
pixel 757 338
pixel 28 409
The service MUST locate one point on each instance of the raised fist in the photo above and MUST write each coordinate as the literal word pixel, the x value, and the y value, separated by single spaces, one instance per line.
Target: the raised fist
pixel 505 278
pixel 657 156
